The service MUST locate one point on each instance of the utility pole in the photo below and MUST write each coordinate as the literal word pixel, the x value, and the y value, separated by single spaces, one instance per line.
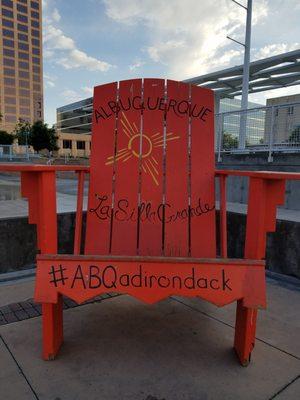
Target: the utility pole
pixel 245 87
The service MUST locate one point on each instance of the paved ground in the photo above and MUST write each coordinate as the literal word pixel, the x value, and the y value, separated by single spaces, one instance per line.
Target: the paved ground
pixel 119 348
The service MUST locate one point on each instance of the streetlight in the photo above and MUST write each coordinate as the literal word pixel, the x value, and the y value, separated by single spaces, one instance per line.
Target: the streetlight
pixel 246 68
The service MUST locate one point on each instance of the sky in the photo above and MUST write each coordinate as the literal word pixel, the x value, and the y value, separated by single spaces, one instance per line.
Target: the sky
pixel 91 42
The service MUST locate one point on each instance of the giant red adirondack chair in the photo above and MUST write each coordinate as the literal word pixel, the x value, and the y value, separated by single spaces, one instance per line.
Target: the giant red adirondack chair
pixel 151 218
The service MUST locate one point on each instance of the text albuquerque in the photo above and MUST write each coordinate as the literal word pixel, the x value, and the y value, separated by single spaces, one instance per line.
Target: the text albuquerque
pixel 180 108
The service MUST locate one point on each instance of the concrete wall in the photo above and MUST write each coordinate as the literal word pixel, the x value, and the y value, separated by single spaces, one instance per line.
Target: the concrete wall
pixel 238 186
pixel 18 243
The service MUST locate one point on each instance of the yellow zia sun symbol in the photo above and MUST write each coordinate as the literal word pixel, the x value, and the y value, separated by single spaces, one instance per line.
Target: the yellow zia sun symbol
pixel 149 143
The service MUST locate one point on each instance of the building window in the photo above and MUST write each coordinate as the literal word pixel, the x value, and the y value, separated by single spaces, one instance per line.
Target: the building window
pixel 8 53
pixel 80 145
pixel 290 110
pixel 24 102
pixel 35 5
pixel 22 18
pixel 7 3
pixel 24 56
pixel 22 8
pixel 36 88
pixel 67 144
pixel 10 109
pixel 10 100
pixel 23 1
pixel 8 43
pixel 10 118
pixel 35 14
pixel 35 24
pixel 25 111
pixel 35 33
pixel 36 51
pixel 36 60
pixel 22 28
pixel 9 81
pixel 9 72
pixel 276 112
pixel 7 13
pixel 8 33
pixel 36 78
pixel 23 37
pixel 36 69
pixel 23 46
pixel 24 93
pixel 9 91
pixel 8 62
pixel 23 64
pixel 7 23
pixel 35 42
pixel 24 74
pixel 24 84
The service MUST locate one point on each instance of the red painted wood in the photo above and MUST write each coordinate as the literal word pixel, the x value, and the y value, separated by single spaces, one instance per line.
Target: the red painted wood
pixel 261 174
pixel 41 168
pixel 81 279
pixel 264 196
pixel 177 174
pixel 124 232
pixel 223 217
pixel 78 222
pixel 98 226
pixel 203 235
pixel 151 225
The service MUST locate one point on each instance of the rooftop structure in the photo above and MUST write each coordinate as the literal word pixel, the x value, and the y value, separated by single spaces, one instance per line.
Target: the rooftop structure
pixel 269 73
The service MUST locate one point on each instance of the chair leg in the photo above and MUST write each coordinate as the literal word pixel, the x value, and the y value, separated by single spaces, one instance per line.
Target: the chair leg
pixel 245 327
pixel 52 319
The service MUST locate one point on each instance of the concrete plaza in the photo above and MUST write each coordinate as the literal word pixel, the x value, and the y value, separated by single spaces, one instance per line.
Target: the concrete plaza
pixel 120 348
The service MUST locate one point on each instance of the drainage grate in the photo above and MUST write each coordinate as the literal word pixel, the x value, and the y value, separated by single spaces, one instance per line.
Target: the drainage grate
pixel 29 309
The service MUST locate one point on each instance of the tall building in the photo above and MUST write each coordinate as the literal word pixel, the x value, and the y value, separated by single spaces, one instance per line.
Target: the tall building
pixel 21 69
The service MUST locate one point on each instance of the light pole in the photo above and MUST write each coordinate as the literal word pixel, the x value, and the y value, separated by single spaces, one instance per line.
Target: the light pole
pixel 245 87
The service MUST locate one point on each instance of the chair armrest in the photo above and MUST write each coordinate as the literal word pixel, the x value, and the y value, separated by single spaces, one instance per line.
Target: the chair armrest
pixel 38 184
pixel 266 192
pixel 42 168
pixel 260 174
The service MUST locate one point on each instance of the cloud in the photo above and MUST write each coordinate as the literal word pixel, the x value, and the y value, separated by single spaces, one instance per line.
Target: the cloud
pixel 49 80
pixel 56 15
pixel 188 36
pixel 87 90
pixel 63 50
pixel 70 96
pixel 136 64
pixel 273 49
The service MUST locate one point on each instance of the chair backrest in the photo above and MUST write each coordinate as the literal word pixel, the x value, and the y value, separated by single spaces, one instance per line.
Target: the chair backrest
pixel 152 170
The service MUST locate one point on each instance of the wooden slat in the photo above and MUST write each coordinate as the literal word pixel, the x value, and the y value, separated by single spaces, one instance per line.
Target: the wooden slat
pixel 176 208
pixel 101 175
pixel 150 226
pixel 124 230
pixel 203 236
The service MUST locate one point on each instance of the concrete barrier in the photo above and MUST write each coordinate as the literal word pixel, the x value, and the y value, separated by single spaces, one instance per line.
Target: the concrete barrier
pixel 18 243
pixel 238 186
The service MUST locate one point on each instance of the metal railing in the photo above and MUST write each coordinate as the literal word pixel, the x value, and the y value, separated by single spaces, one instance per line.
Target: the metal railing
pixel 268 129
pixel 15 152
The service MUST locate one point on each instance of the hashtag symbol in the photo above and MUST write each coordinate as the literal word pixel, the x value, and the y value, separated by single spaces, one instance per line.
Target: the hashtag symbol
pixel 58 275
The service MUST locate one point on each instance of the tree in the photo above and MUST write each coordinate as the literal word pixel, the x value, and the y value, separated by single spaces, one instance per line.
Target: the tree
pixel 42 137
pixel 230 141
pixel 22 132
pixel 6 138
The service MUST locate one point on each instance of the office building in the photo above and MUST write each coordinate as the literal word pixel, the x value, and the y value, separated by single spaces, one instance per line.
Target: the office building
pixel 21 69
